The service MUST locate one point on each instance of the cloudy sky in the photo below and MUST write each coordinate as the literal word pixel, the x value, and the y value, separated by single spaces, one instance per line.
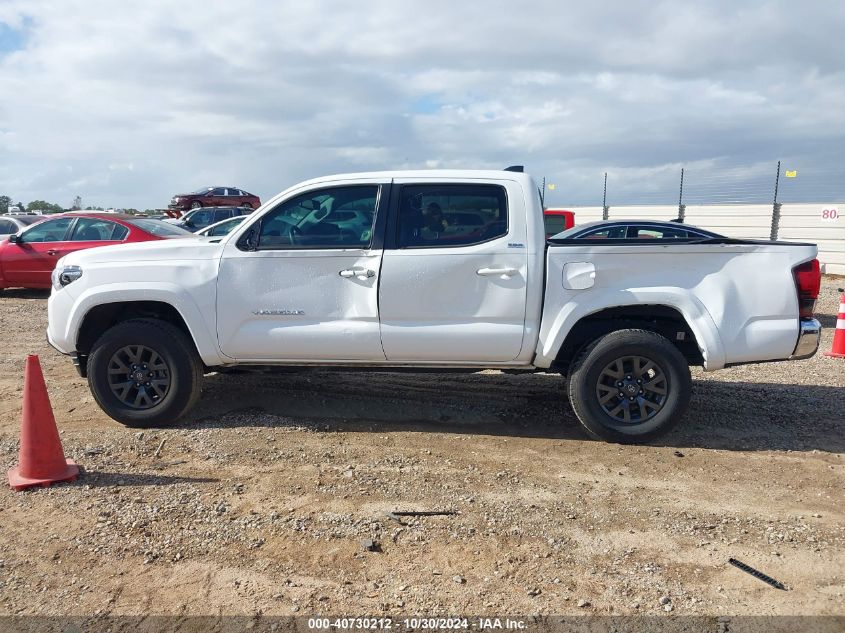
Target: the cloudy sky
pixel 125 103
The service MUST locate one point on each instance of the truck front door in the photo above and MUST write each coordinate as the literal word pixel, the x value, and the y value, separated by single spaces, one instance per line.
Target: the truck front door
pixel 294 285
pixel 454 273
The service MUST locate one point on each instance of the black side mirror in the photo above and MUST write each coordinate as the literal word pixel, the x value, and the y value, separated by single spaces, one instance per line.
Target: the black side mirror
pixel 251 240
pixel 14 238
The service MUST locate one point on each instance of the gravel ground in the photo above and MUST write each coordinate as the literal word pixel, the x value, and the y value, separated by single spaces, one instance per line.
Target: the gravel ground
pixel 273 496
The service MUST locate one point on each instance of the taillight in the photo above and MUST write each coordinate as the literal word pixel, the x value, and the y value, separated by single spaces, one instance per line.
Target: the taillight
pixel 808 280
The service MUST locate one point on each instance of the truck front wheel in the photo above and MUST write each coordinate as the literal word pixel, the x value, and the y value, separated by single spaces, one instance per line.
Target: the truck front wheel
pixel 144 372
pixel 630 386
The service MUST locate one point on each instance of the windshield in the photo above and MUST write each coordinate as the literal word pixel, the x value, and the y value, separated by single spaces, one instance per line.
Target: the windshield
pixel 159 228
pixel 222 228
pixel 26 220
pixel 203 190
pixel 189 215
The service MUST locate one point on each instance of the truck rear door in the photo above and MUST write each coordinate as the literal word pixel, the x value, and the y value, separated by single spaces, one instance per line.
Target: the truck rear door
pixel 454 272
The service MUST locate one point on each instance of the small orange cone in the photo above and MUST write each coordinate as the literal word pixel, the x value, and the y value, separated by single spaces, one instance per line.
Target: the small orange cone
pixel 42 460
pixel 837 350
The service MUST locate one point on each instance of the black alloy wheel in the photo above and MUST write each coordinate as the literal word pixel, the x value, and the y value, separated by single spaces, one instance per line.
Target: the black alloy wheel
pixel 629 386
pixel 138 376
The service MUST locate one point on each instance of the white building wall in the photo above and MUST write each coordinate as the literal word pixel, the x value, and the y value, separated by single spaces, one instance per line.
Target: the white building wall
pixel 804 223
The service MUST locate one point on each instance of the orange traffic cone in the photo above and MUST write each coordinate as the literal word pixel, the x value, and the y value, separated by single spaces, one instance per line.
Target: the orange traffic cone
pixel 838 348
pixel 42 460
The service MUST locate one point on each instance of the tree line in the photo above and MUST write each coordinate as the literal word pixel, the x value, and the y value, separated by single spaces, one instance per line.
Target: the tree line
pixel 49 207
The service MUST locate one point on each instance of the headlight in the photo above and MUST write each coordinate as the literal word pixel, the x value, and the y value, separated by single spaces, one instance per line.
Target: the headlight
pixel 64 275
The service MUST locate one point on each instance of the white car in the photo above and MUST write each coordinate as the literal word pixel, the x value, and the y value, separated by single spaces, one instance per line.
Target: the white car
pixel 10 224
pixel 395 284
pixel 224 227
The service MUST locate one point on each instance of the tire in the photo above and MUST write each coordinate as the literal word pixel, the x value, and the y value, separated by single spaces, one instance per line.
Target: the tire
pixel 174 373
pixel 594 386
pixel 246 205
pixel 196 204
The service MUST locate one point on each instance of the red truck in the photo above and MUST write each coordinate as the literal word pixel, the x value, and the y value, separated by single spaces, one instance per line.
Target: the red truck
pixel 557 220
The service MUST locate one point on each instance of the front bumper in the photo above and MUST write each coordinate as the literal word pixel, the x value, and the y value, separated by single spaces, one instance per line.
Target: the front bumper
pixel 809 335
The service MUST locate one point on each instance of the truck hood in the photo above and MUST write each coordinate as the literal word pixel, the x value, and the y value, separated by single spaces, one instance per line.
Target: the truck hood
pixel 187 248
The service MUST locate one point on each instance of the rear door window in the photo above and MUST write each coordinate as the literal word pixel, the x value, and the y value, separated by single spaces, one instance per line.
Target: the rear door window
pixel 97 230
pixel 222 214
pixel 437 216
pixel 202 218
pixel 655 233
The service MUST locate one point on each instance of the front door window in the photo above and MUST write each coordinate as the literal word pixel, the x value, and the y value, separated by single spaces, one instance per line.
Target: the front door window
pixel 48 231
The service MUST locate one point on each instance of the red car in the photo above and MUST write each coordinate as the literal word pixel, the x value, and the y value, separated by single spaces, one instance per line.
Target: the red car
pixel 214 197
pixel 557 220
pixel 28 258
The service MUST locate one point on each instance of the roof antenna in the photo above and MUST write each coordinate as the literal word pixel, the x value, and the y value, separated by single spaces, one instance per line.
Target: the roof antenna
pixel 517 168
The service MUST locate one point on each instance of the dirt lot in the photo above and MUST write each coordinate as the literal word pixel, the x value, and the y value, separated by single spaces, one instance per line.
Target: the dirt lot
pixel 258 502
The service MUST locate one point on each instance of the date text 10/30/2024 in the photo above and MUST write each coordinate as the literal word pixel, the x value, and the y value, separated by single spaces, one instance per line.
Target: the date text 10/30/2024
pixel 416 623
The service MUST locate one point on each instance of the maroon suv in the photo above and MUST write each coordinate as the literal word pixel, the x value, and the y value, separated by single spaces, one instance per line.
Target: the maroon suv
pixel 214 197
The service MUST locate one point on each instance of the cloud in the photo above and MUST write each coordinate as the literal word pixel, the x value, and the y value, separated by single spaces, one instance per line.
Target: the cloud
pixel 263 94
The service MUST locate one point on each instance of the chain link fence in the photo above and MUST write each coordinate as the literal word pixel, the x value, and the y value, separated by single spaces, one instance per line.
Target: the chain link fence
pixel 781 203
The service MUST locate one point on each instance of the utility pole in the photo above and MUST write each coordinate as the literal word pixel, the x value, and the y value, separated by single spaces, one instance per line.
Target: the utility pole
pixel 605 212
pixel 775 209
pixel 682 208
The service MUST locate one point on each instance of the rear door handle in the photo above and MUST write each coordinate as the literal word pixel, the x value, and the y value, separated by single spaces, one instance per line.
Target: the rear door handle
pixel 364 273
pixel 52 252
pixel 497 272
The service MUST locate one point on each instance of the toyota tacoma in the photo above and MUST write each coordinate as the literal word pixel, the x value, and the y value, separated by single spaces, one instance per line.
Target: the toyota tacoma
pixel 431 269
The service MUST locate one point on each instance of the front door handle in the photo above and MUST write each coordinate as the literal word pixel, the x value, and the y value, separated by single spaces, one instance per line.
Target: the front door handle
pixel 497 272
pixel 52 251
pixel 361 273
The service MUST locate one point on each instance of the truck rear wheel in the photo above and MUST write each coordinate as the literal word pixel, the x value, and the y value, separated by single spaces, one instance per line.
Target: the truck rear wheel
pixel 630 386
pixel 144 372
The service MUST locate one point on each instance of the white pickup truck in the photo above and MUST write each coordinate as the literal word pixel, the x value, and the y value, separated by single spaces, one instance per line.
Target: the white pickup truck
pixel 430 269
